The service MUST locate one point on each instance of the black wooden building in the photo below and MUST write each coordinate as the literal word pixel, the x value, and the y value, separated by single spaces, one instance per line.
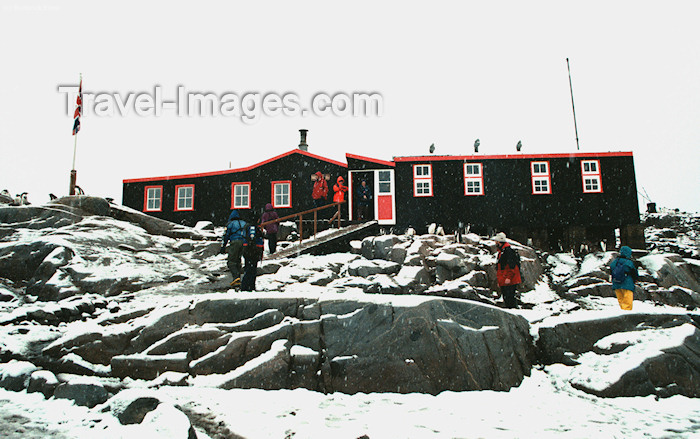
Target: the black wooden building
pixel 284 181
pixel 554 200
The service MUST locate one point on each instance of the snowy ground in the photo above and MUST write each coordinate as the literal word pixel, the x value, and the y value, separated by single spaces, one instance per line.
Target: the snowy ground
pixel 543 406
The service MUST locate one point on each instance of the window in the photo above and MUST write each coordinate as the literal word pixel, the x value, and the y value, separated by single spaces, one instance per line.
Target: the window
pixel 590 176
pixel 281 194
pixel 422 180
pixel 153 199
pixel 541 181
pixel 184 197
pixel 384 182
pixel 240 195
pixel 473 179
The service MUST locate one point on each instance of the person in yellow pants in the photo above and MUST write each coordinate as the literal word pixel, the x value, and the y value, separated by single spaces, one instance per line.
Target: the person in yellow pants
pixel 623 275
pixel 624 297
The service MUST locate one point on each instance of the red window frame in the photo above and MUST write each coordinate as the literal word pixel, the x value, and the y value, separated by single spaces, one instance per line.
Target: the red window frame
pixel 233 194
pixel 474 177
pixel 539 176
pixel 423 179
pixel 591 175
pixel 145 199
pixel 177 198
pixel 272 190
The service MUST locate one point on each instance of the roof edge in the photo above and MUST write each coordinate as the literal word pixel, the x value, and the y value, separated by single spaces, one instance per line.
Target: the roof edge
pixel 370 159
pixel 513 156
pixel 233 171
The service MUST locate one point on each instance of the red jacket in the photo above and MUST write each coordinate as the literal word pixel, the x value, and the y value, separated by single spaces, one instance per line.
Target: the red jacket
pixel 320 187
pixel 508 266
pixel 340 190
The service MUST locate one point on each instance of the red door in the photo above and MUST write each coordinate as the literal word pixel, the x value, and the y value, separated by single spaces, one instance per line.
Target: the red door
pixel 385 206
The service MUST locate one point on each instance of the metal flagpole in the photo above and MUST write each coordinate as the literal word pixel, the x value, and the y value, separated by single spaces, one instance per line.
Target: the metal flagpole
pixel 572 101
pixel 73 172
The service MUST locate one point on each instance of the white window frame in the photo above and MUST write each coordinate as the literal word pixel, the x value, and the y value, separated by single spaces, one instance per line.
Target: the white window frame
pixel 423 180
pixel 179 196
pixel 590 177
pixel 541 179
pixel 148 199
pixel 240 201
pixel 472 178
pixel 276 185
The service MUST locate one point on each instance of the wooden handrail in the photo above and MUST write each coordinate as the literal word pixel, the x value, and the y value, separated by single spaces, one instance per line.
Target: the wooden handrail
pixel 301 216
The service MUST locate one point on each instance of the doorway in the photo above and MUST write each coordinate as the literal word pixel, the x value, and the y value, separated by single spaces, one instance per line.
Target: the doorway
pixel 355 184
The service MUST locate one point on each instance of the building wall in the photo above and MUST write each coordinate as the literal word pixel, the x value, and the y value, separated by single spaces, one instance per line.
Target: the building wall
pixel 508 202
pixel 565 218
pixel 212 193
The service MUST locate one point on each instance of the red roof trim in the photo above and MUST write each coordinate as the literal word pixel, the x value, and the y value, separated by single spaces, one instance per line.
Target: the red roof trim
pixel 511 156
pixel 233 171
pixel 369 159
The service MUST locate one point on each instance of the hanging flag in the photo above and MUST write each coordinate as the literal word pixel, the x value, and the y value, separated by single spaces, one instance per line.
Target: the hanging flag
pixel 78 109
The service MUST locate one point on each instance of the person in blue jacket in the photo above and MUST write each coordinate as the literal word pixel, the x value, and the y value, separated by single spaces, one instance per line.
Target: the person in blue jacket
pixel 623 275
pixel 235 235
pixel 364 196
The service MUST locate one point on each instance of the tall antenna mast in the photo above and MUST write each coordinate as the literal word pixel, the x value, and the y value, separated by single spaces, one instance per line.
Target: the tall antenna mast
pixel 572 101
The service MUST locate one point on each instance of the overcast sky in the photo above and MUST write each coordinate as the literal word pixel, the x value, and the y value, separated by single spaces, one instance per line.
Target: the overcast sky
pixel 448 73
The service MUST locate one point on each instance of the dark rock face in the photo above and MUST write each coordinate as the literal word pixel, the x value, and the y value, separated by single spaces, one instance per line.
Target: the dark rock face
pixel 607 344
pixel 20 261
pixel 42 381
pixel 35 218
pixel 87 394
pixel 388 345
pixel 438 345
pixel 15 375
pixel 148 367
pixel 580 336
pixel 131 408
pixel 674 270
pixel 88 204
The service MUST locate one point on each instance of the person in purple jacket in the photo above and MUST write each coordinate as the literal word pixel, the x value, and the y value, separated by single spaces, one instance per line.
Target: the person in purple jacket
pixel 270 229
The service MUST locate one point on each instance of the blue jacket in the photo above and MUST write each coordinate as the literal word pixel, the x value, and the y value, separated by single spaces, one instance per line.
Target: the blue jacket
pixel 235 229
pixel 364 195
pixel 631 273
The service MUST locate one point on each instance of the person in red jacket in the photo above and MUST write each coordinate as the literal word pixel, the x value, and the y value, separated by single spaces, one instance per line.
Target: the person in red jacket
pixel 507 270
pixel 320 190
pixel 339 196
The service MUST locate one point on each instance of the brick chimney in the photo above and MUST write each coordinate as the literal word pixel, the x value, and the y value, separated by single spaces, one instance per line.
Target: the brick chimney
pixel 302 143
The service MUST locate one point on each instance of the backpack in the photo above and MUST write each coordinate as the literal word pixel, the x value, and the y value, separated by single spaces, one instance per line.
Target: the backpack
pixel 618 272
pixel 516 258
pixel 511 258
pixel 252 246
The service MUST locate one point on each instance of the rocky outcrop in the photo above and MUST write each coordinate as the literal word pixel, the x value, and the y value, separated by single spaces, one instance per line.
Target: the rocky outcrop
pixel 15 375
pixel 612 356
pixel 62 250
pixel 384 345
pixel 671 269
pixel 664 278
pixel 83 391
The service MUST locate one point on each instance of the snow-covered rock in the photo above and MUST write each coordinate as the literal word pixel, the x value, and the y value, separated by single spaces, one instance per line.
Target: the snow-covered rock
pixel 15 375
pixel 365 268
pixel 670 269
pixel 84 391
pixel 660 361
pixel 42 381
